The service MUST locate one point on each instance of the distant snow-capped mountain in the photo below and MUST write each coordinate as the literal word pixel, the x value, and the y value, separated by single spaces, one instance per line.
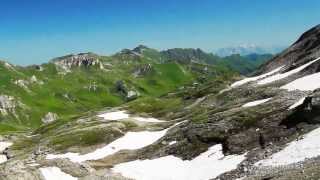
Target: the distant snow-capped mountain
pixel 246 49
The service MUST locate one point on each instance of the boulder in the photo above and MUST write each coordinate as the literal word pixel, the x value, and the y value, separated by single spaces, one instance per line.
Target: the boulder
pixel 49 117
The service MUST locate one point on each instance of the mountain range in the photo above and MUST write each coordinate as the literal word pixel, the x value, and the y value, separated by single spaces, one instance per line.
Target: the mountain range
pixel 173 114
pixel 247 49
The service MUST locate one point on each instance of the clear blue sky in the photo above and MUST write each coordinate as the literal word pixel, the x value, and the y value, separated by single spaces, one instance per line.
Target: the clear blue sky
pixel 34 31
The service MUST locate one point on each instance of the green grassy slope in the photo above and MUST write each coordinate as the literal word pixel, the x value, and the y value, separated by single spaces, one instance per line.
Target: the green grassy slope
pixel 147 71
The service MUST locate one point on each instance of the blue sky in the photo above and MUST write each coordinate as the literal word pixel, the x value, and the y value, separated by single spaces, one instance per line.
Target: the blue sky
pixel 34 31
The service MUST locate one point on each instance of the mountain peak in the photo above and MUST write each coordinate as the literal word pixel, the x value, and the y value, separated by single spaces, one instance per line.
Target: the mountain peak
pixel 305 49
pixel 140 48
pixel 315 31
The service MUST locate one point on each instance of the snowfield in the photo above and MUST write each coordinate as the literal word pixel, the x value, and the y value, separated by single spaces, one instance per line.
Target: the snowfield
pixel 306 83
pixel 277 77
pixel 296 151
pixel 255 78
pixel 255 103
pixel 207 165
pixel 54 173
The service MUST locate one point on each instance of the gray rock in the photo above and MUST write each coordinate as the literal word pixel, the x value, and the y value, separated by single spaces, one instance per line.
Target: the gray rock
pixel 49 117
pixel 8 104
pixel 65 63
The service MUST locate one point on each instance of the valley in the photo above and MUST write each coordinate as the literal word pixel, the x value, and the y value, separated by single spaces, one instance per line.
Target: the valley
pixel 173 114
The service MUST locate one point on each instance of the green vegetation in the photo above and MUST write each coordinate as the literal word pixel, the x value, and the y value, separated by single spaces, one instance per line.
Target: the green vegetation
pixel 73 92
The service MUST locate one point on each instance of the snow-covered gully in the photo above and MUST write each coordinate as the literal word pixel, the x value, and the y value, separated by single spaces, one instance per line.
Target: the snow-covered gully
pixel 275 76
pixel 278 76
pixel 255 78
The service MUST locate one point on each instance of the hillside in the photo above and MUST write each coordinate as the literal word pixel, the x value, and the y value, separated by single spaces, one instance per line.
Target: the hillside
pixel 174 114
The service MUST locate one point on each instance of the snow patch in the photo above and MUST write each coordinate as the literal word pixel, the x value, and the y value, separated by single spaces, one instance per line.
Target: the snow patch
pixel 298 103
pixel 172 143
pixel 122 115
pixel 117 115
pixel 306 83
pixel 3 158
pixel 277 77
pixel 296 151
pixel 148 119
pixel 255 103
pixel 255 78
pixel 207 165
pixel 130 141
pixel 54 173
pixel 4 145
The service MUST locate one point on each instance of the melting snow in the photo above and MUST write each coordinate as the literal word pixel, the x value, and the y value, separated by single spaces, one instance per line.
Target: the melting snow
pixel 255 78
pixel 130 141
pixel 117 115
pixel 296 151
pixel 298 103
pixel 255 103
pixel 54 173
pixel 147 119
pixel 306 83
pixel 207 165
pixel 121 115
pixel 172 143
pixel 3 158
pixel 284 75
pixel 3 146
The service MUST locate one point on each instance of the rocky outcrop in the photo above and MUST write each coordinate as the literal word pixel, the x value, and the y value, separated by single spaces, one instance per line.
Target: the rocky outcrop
pixel 305 49
pixel 142 70
pixel 8 104
pixel 25 83
pixel 49 117
pixel 80 60
pixel 123 89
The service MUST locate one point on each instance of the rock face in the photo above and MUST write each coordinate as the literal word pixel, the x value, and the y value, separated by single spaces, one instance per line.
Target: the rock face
pixel 49 117
pixel 142 70
pixel 8 104
pixel 125 91
pixel 83 59
pixel 305 49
